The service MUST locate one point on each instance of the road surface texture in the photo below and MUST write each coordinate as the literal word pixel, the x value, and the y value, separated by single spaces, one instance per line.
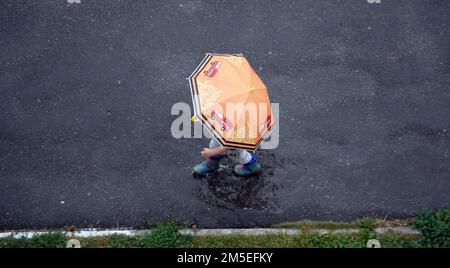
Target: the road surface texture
pixel 87 90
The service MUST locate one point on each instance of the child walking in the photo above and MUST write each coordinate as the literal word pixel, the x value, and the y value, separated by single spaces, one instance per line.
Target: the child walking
pixel 247 163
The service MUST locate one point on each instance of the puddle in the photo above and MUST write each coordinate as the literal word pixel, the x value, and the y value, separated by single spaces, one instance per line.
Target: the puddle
pixel 225 190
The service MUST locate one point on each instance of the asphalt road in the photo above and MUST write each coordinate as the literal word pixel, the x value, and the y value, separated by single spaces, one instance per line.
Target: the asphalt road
pixel 87 90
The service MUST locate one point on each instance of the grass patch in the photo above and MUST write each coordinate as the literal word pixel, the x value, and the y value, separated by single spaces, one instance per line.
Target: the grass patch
pixel 391 240
pixel 365 223
pixel 308 240
pixel 50 240
pixel 306 225
pixel 113 241
pixel 164 236
pixel 435 227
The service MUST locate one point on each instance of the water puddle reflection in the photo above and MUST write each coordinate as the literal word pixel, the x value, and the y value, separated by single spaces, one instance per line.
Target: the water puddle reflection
pixel 226 190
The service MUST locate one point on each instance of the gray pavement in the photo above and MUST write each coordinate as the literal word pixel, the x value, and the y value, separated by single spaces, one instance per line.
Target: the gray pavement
pixel 87 90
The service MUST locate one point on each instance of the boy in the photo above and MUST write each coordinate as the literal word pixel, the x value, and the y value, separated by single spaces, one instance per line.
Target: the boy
pixel 247 163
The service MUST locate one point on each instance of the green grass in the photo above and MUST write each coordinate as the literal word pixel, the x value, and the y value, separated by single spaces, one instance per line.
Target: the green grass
pixel 162 238
pixel 399 241
pixel 306 225
pixel 281 241
pixel 358 240
pixel 365 223
pixel 50 240
pixel 434 225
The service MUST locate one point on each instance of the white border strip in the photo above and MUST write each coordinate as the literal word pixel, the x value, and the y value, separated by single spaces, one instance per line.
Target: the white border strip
pixel 193 96
pixel 211 232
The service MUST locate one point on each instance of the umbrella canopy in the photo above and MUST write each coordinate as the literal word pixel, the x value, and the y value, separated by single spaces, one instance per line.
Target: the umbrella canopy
pixel 231 101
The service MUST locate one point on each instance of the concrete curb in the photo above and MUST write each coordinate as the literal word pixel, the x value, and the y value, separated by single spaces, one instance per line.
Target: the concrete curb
pixel 262 231
pixel 400 230
pixel 212 232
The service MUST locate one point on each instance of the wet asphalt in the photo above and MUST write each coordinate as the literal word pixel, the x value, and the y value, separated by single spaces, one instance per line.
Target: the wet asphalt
pixel 87 91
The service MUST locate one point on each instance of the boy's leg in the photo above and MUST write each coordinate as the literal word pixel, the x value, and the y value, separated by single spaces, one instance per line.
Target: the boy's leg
pixel 247 162
pixel 211 164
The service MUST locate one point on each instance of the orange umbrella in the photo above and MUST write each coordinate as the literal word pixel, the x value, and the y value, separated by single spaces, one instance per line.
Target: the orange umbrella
pixel 231 101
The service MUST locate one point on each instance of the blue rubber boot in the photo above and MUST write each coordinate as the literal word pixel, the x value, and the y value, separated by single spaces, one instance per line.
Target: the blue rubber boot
pixel 248 169
pixel 210 165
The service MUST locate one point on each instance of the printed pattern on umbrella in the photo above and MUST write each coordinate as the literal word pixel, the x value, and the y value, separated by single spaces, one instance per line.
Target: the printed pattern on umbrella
pixel 228 79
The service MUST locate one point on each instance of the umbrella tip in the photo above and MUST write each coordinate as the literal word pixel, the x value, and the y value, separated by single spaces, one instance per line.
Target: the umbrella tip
pixel 194 119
